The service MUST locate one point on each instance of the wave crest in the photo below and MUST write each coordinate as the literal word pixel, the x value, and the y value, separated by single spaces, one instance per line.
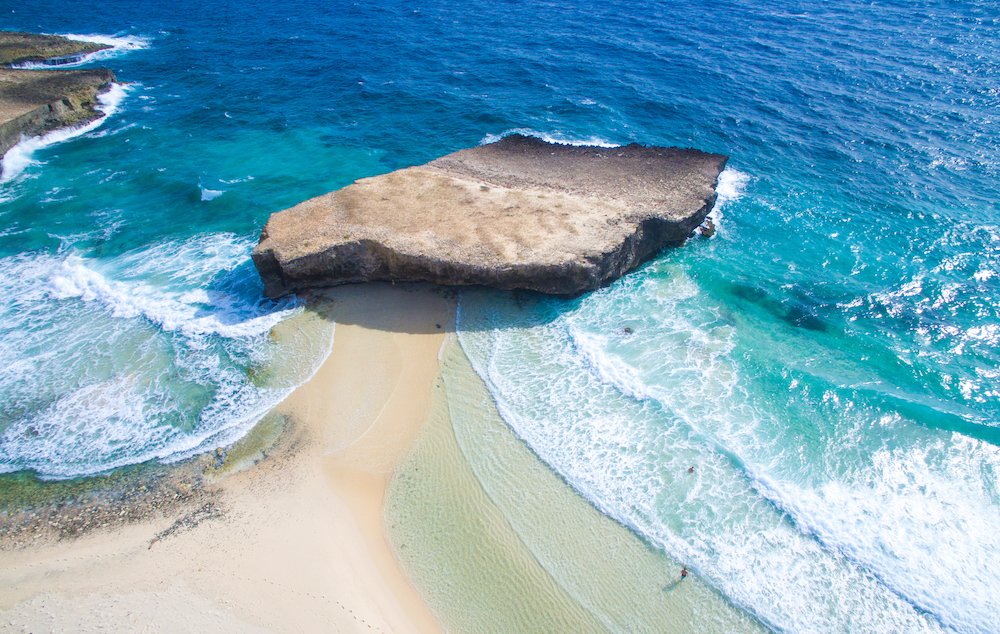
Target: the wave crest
pixel 560 138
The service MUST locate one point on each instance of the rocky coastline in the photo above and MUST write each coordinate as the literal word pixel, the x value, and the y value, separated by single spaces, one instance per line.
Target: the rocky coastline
pixel 17 47
pixel 34 102
pixel 516 214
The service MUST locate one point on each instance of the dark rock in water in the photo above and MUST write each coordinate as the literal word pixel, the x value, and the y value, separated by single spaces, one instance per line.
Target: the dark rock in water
pixel 707 229
pixel 804 318
pixel 516 214
pixel 800 310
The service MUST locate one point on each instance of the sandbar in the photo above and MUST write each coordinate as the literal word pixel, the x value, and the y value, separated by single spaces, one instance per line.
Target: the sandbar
pixel 294 542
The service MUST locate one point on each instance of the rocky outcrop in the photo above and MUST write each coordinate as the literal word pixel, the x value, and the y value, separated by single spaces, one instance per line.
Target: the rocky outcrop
pixel 17 48
pixel 516 214
pixel 35 102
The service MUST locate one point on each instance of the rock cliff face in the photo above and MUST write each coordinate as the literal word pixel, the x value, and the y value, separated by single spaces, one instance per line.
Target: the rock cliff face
pixel 17 47
pixel 35 102
pixel 516 214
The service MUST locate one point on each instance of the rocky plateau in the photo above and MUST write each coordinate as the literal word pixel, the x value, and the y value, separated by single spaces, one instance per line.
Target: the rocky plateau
pixel 519 213
pixel 34 102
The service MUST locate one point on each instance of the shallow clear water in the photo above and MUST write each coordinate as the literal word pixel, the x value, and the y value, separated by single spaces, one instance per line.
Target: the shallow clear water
pixel 828 361
pixel 471 497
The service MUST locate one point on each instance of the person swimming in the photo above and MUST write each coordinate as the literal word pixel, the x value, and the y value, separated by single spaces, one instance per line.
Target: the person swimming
pixel 684 572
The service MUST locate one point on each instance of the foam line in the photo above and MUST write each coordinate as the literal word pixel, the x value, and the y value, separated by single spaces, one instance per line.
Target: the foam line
pixel 148 355
pixel 550 137
pixel 592 415
pixel 731 187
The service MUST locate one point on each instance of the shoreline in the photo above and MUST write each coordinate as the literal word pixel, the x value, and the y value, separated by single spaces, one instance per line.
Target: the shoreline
pixel 20 47
pixel 384 494
pixel 295 540
pixel 498 541
pixel 35 102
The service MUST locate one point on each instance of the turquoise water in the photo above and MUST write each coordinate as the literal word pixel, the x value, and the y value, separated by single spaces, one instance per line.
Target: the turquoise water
pixel 828 361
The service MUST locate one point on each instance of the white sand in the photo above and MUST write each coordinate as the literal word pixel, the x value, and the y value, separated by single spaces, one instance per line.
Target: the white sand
pixel 300 544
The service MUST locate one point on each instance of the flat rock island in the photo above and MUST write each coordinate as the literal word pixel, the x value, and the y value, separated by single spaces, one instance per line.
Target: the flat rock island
pixel 519 213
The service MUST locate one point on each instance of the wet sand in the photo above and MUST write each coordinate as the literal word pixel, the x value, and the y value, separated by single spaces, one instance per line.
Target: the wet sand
pixel 385 494
pixel 292 543
pixel 499 543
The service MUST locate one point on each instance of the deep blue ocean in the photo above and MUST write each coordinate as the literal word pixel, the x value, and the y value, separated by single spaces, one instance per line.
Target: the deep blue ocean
pixel 830 360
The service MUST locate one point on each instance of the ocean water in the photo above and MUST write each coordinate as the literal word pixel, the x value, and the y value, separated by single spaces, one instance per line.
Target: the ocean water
pixel 828 361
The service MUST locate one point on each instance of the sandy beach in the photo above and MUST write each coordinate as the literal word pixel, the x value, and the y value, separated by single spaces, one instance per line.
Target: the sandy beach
pixel 384 494
pixel 500 317
pixel 292 543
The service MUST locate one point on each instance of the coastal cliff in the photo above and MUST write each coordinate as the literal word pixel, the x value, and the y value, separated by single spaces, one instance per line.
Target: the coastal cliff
pixel 516 214
pixel 33 102
pixel 17 47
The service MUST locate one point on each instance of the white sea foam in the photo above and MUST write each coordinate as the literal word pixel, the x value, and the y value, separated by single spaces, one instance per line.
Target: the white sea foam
pixel 731 187
pixel 578 390
pixel 210 194
pixel 114 418
pixel 126 420
pixel 928 534
pixel 984 274
pixel 233 181
pixel 550 137
pixel 20 157
pixel 111 131
pixel 119 44
pixel 138 357
pixel 101 232
pixel 923 518
pixel 193 313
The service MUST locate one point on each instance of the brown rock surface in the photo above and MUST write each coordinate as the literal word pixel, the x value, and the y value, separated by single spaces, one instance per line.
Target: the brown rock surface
pixel 519 213
pixel 33 102
pixel 17 47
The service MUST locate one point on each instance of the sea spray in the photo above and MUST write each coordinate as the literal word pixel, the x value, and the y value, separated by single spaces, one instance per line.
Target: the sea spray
pixel 143 356
pixel 562 138
pixel 730 188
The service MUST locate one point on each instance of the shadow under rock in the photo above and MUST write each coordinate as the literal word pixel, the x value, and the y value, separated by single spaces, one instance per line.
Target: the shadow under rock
pixel 423 308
